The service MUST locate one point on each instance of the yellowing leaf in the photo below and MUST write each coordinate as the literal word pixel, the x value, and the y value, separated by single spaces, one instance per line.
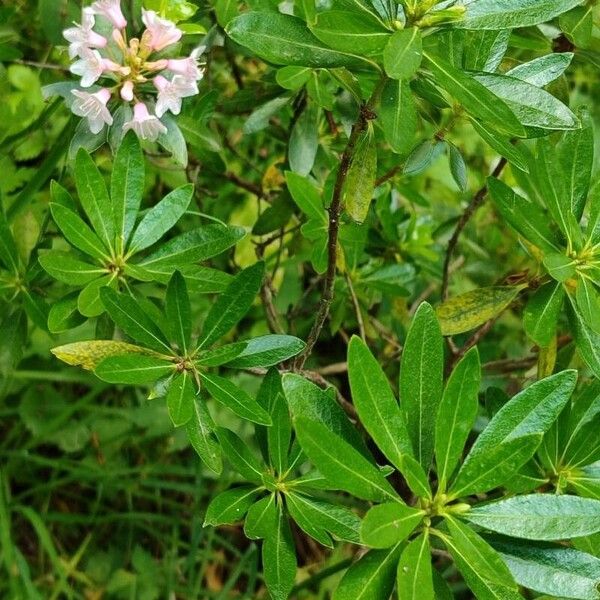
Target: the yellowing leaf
pixel 467 311
pixel 89 354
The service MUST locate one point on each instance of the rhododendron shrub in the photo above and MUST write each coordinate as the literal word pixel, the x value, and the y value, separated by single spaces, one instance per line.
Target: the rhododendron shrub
pixel 300 300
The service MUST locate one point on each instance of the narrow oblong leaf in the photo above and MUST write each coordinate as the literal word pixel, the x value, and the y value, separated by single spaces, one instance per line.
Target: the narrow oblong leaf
pixel 77 232
pixel 541 313
pixel 388 524
pixel 178 311
pixel 236 399
pixel 414 577
pixel 180 399
pixel 539 516
pixel 132 369
pixel 126 188
pixel 476 98
pixel 232 304
pixel 285 40
pixel 340 463
pixel 360 179
pixel 94 197
pixel 230 506
pixel 456 414
pixel 88 355
pixel 472 309
pixel 129 316
pixel 65 267
pixel 374 400
pixel 398 115
pixel 491 14
pixel 160 218
pixel 553 570
pixel 240 456
pixel 421 381
pixel 266 351
pixel 370 578
pixel 200 431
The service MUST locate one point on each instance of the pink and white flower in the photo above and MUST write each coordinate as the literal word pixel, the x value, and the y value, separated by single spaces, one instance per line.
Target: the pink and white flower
pixel 92 66
pixel 145 125
pixel 171 93
pixel 187 67
pixel 93 108
pixel 127 91
pixel 160 32
pixel 83 37
pixel 111 9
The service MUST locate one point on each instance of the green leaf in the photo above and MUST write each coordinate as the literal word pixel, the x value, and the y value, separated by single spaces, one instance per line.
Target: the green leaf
pixel 414 570
pixel 133 369
pixel 279 558
pixel 485 50
pixel 578 25
pixel 307 400
pixel 477 100
pixel 502 144
pixel 551 184
pixel 472 309
pixel 94 197
pixel 304 140
pixel 193 246
pixel 480 565
pixel 539 516
pixel 415 476
pixel 292 78
pixel 298 513
pixel 126 188
pixel 526 417
pixel 129 316
pixel 8 249
pixel 89 355
pixel 77 232
pixel 388 524
pixel 487 561
pixel 560 266
pixel 403 53
pixel 576 159
pixel 266 351
pixel 533 106
pixel 236 399
pixel 588 303
pixel 221 355
pixel 89 303
pixel 306 196
pixel 180 399
pixel 360 179
pixel 456 414
pixel 232 304
pixel 160 218
pixel 421 381
pixel 542 70
pixel 342 465
pixel 261 518
pixel 342 523
pixel 586 339
pixel 179 312
pixel 552 570
pixel 375 403
pixel 541 313
pixel 229 507
pixel 458 167
pixel 200 432
pixel 398 115
pixel 526 217
pixel 370 578
pixel 240 456
pixel 64 315
pixel 351 32
pixel 491 14
pixel 285 40
pixel 64 267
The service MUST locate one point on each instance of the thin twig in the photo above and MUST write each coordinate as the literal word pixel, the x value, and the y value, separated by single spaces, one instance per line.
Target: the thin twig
pixel 475 203
pixel 335 210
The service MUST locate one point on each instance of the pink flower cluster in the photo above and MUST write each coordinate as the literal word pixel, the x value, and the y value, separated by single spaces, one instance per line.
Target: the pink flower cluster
pixel 129 65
